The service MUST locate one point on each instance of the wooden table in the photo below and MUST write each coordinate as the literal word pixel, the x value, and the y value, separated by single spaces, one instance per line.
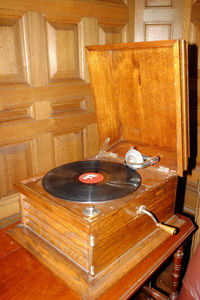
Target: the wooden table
pixel 23 277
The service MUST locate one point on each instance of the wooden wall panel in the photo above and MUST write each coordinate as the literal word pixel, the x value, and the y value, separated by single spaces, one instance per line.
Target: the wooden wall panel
pixel 10 113
pixel 44 153
pixel 102 10
pixel 62 40
pixel 90 141
pixel 112 1
pixel 34 31
pixel 64 107
pixel 159 3
pixel 110 34
pixel 190 200
pixel 16 163
pixel 88 35
pixel 13 63
pixel 158 20
pixel 9 210
pixel 68 148
pixel 41 110
pixel 47 114
pixel 154 31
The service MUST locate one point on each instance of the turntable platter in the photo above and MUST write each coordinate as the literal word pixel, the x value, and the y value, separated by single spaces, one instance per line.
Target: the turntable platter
pixel 91 181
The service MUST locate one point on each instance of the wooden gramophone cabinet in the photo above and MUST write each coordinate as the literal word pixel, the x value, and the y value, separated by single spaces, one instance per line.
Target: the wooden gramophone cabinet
pixel 140 94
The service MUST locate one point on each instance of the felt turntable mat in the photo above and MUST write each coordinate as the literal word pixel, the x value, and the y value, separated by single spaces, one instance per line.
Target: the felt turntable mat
pixel 91 181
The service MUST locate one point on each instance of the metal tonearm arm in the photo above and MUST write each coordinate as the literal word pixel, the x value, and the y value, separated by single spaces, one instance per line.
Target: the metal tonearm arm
pixel 103 148
pixel 148 161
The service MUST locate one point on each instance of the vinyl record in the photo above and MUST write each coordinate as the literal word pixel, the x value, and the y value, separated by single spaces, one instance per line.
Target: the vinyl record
pixel 91 181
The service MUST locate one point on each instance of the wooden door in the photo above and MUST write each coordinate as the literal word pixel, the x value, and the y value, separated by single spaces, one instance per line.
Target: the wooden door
pixel 158 19
pixel 46 110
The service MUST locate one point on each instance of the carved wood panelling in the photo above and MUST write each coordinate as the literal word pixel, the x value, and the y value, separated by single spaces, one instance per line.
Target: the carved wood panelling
pixel 159 14
pixel 76 145
pixel 88 35
pixel 34 30
pixel 44 153
pixel 159 3
pixel 158 23
pixel 62 42
pixel 41 110
pixel 16 163
pixel 158 19
pixel 50 93
pixel 67 107
pixel 17 112
pixel 68 148
pixel 90 140
pixel 110 34
pixel 9 210
pixel 112 1
pixel 13 62
pixel 154 32
pixel 190 197
pixel 47 114
pixel 74 8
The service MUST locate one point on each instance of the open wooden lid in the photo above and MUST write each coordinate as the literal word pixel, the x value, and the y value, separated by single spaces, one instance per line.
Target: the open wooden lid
pixel 140 93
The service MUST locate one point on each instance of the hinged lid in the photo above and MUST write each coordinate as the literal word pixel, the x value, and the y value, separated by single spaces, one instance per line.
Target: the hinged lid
pixel 140 93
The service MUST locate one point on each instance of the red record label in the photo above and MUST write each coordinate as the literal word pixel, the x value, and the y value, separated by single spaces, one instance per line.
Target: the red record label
pixel 91 178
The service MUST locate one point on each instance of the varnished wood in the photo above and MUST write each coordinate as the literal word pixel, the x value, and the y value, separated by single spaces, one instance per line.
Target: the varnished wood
pixel 178 257
pixel 89 250
pixel 101 10
pixel 128 91
pixel 154 293
pixel 195 19
pixel 46 108
pixel 30 278
pixel 92 249
pixel 89 29
pixel 173 295
pixel 111 224
pixel 190 200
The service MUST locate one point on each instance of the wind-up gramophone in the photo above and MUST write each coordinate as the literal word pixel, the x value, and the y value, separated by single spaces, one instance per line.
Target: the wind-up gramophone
pixel 92 233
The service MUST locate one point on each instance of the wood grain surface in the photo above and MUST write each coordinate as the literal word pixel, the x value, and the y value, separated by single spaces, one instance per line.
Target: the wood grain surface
pixel 46 109
pixel 140 92
pixel 23 277
pixel 85 251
